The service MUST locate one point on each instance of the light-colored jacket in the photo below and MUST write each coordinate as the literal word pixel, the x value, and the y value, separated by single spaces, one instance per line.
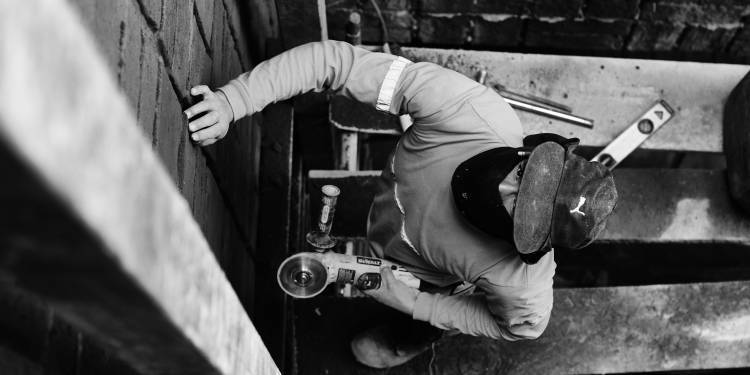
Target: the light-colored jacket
pixel 414 220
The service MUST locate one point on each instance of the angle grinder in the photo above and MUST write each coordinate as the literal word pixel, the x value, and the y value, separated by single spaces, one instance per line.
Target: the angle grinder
pixel 305 275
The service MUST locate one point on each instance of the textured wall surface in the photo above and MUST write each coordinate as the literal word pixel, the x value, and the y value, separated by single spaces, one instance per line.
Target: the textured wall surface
pixel 157 50
pixel 701 30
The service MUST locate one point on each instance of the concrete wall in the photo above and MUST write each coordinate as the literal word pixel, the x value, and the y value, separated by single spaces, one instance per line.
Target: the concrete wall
pixel 157 50
pixel 701 30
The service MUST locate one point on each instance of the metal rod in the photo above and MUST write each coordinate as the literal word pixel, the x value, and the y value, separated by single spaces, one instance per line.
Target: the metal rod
pixel 533 99
pixel 542 107
pixel 537 109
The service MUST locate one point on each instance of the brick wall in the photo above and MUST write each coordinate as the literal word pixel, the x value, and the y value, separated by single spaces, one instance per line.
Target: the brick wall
pixel 699 30
pixel 157 50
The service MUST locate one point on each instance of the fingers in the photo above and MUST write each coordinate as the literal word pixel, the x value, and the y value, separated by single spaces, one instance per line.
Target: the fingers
pixel 387 273
pixel 202 106
pixel 209 119
pixel 211 132
pixel 200 90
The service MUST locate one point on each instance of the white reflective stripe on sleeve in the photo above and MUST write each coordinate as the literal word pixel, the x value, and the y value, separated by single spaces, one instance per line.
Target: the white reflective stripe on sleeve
pixel 389 84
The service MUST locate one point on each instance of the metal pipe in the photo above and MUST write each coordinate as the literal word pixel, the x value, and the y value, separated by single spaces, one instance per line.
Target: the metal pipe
pixel 552 113
pixel 540 107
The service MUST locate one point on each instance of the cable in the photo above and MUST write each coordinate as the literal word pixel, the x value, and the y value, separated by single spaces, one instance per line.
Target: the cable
pixel 383 28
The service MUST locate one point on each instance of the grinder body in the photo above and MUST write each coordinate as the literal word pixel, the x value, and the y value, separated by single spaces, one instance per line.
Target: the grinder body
pixel 305 275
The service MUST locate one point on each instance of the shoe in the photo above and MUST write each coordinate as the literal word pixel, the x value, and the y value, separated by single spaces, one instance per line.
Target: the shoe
pixel 377 348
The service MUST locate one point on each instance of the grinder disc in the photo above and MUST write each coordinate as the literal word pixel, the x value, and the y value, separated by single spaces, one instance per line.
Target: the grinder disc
pixel 302 276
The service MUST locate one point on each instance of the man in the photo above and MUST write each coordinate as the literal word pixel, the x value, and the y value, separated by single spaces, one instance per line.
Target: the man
pixel 465 200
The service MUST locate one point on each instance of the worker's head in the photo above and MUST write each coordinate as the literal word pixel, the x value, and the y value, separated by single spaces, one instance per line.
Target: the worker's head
pixel 540 196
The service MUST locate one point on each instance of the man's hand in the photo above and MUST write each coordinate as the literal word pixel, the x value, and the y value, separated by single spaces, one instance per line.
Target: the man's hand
pixel 394 293
pixel 214 124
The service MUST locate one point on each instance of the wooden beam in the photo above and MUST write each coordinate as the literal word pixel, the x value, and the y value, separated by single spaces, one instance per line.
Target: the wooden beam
pixel 92 222
pixel 612 91
pixel 656 206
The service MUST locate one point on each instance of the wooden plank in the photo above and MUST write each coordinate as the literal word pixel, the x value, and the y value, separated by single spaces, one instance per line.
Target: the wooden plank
pixel 91 220
pixel 656 206
pixel 611 91
pixel 591 331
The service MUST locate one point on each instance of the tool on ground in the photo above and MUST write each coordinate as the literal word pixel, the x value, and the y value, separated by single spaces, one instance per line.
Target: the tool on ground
pixel 642 128
pixel 305 275
pixel 321 238
pixel 537 105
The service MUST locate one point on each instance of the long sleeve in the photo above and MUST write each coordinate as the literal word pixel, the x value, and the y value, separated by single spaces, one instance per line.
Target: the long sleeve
pixel 510 313
pixel 320 66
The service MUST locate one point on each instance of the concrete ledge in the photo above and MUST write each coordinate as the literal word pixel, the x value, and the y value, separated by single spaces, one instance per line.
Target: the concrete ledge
pixel 611 91
pixel 92 221
pixel 591 331
pixel 656 206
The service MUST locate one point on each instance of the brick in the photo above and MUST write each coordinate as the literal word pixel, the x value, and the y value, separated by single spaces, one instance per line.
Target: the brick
pixel 152 12
pixel 383 4
pixel 239 147
pixel 199 70
pixel 478 6
pixel 445 30
pixel 264 19
pixel 204 16
pixel 107 30
pixel 698 12
pixel 234 21
pixel 612 8
pixel 739 49
pixel 299 22
pixel 505 33
pixel 399 24
pixel 557 8
pixel 581 36
pixel 130 52
pixel 150 67
pixel 176 36
pixel 219 28
pixel 699 43
pixel 168 127
pixel 654 37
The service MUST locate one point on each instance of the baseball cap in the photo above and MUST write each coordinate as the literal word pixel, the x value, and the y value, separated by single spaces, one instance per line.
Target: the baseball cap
pixel 563 199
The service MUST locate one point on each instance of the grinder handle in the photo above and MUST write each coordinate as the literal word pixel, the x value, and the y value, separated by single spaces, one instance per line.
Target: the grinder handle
pixel 372 280
pixel 406 277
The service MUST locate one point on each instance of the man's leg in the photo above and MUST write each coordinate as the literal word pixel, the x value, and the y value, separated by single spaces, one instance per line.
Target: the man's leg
pixel 397 342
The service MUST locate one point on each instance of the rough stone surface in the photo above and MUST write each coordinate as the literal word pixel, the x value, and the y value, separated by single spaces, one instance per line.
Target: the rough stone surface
pixel 480 6
pixel 443 31
pixel 589 35
pixel 654 39
pixel 612 8
pixel 625 329
pixel 633 28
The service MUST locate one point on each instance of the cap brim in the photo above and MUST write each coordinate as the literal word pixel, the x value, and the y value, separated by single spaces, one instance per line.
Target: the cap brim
pixel 532 217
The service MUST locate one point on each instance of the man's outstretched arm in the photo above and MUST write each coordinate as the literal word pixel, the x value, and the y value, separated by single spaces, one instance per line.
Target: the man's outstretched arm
pixel 320 66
